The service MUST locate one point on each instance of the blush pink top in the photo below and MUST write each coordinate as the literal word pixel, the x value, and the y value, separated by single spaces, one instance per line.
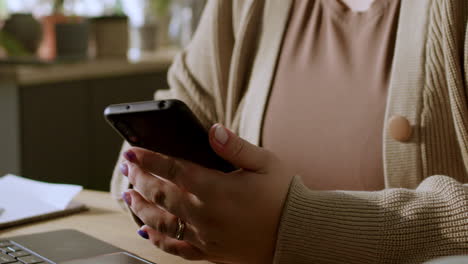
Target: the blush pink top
pixel 325 114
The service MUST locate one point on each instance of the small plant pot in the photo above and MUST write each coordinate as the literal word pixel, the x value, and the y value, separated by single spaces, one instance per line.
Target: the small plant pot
pixel 48 47
pixel 72 40
pixel 26 30
pixel 111 36
pixel 64 38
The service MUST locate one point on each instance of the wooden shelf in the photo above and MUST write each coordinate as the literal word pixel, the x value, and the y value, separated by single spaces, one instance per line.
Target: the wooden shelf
pixel 28 74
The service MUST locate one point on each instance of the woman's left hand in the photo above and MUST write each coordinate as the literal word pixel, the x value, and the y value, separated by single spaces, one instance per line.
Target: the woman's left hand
pixel 229 217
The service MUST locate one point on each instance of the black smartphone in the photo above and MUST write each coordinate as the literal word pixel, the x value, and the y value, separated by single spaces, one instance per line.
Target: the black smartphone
pixel 168 127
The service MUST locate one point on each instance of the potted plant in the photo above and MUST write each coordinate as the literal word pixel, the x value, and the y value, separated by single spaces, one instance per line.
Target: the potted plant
pixel 160 7
pixel 64 36
pixel 110 31
pixel 25 29
pixel 15 31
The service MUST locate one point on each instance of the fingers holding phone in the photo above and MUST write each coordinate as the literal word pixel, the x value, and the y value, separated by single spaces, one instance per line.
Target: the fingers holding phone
pixel 227 217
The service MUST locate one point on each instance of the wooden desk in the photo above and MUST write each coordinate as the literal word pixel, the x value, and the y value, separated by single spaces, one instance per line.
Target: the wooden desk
pixel 105 221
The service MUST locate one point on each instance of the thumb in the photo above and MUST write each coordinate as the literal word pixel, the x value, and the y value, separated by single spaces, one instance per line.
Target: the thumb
pixel 238 151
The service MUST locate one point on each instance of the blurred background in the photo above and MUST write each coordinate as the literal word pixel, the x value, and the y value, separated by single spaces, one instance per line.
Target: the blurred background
pixel 63 61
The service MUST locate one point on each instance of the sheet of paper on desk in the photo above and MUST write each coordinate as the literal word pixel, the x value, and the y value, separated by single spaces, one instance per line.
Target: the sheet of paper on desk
pixel 23 199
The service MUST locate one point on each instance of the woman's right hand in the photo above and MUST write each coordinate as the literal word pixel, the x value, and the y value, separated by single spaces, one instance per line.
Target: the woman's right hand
pixel 230 217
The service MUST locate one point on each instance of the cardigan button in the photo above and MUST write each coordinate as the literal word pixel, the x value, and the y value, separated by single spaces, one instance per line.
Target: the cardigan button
pixel 400 128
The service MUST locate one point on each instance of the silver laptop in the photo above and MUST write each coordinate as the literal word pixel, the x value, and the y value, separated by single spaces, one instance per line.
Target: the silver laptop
pixel 63 247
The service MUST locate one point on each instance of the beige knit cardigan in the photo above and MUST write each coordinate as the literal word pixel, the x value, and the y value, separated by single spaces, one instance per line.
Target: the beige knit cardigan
pixel 226 73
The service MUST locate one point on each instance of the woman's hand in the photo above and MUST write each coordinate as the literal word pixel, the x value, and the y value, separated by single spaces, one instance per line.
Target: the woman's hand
pixel 229 217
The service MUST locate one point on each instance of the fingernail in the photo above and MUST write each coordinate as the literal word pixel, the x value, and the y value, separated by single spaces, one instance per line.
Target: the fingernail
pixel 221 135
pixel 143 234
pixel 124 169
pixel 130 156
pixel 127 198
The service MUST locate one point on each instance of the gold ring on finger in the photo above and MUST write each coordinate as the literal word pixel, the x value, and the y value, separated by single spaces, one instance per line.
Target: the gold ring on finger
pixel 180 229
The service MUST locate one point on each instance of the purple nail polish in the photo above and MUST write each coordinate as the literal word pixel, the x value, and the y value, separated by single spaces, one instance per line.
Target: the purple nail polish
pixel 130 156
pixel 127 198
pixel 143 234
pixel 124 169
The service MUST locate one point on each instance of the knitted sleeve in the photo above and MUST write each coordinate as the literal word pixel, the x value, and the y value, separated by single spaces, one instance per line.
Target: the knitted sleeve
pixel 391 226
pixel 394 225
pixel 199 75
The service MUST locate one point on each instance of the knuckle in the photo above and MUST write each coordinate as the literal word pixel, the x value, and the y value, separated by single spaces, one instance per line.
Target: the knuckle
pixel 135 176
pixel 161 227
pixel 132 174
pixel 168 203
pixel 148 188
pixel 156 242
pixel 146 158
pixel 191 204
pixel 238 147
pixel 151 219
pixel 189 168
pixel 173 223
pixel 174 169
pixel 170 207
pixel 137 207
pixel 158 196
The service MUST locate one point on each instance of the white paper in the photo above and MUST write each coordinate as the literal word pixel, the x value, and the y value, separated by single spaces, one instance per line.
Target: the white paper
pixel 23 198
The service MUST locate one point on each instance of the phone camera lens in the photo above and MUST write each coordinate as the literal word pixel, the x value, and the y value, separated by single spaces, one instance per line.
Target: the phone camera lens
pixel 127 107
pixel 162 104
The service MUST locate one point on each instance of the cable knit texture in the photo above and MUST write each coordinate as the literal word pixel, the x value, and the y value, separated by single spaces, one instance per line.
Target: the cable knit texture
pixel 423 213
pixel 391 226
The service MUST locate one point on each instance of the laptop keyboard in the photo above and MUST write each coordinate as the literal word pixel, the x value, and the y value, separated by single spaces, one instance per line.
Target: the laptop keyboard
pixel 13 253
